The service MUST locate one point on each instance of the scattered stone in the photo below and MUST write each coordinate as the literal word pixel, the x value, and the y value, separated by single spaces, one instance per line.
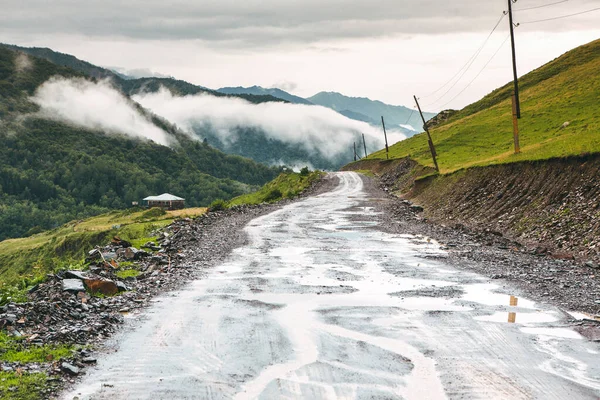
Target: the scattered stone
pixel 591 264
pixel 105 287
pixel 94 254
pixel 75 275
pixel 131 253
pixel 72 285
pixel 69 369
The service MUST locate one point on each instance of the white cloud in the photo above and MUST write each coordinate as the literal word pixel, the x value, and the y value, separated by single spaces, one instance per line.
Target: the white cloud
pixel 139 72
pixel 95 106
pixel 316 129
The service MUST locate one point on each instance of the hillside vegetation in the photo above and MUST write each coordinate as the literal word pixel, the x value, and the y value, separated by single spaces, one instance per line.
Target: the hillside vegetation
pixel 564 90
pixel 52 172
pixel 286 186
pixel 26 260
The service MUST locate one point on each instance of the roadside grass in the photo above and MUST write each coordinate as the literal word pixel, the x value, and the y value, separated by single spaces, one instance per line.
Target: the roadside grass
pixel 22 386
pixel 17 350
pixel 567 89
pixel 285 186
pixel 26 261
pixel 127 273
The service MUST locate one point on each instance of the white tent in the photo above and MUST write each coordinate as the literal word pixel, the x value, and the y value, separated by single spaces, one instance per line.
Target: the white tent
pixel 163 197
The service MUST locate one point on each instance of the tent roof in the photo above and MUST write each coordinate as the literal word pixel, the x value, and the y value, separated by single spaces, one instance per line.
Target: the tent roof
pixel 163 197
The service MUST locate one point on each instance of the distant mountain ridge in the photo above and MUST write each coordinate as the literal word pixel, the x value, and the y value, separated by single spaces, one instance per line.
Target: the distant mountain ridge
pixel 395 116
pixel 128 85
pixel 260 91
pixel 357 108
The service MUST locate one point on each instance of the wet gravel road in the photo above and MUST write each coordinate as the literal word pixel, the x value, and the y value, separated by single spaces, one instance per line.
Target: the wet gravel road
pixel 320 304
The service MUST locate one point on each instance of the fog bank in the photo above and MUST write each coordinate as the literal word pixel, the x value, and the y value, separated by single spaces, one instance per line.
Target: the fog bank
pixel 315 128
pixel 96 106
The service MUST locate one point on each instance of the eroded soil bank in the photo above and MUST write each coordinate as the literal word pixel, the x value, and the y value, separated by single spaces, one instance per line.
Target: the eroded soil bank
pixel 550 206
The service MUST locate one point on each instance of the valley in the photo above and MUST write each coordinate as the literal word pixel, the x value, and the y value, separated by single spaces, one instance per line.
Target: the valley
pixel 241 201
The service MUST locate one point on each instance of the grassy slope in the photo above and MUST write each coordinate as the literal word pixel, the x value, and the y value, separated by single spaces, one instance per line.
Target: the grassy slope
pixel 566 89
pixel 32 257
pixel 285 186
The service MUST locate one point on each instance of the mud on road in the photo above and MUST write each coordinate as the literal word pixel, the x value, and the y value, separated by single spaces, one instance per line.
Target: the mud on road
pixel 330 299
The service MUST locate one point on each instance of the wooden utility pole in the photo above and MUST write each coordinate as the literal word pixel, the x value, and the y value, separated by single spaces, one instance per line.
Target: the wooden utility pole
pixel 365 144
pixel 431 146
pixel 387 149
pixel 354 151
pixel 514 56
pixel 515 125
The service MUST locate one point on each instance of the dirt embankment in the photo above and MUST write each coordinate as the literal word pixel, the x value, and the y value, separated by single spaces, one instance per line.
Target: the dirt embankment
pixel 550 206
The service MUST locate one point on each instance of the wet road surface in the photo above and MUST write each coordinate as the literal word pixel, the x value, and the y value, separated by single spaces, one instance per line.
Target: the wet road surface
pixel 322 305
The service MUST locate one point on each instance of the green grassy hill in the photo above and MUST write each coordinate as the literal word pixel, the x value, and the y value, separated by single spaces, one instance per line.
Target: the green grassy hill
pixel 32 257
pixel 564 90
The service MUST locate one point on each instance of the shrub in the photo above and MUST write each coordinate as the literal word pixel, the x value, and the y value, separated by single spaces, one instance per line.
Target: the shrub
pixel 217 205
pixel 274 194
pixel 304 171
pixel 151 214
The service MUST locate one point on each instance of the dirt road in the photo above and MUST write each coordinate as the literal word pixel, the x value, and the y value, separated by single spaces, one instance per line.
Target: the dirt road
pixel 322 305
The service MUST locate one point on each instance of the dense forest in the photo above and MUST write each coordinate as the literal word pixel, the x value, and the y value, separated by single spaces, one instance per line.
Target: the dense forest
pixel 52 172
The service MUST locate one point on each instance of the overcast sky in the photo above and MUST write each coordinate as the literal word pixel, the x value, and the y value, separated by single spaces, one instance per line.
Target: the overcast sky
pixel 382 49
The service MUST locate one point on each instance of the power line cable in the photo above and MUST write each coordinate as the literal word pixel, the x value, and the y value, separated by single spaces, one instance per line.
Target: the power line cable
pixel 470 64
pixel 410 116
pixel 470 60
pixel 560 17
pixel 542 6
pixel 477 76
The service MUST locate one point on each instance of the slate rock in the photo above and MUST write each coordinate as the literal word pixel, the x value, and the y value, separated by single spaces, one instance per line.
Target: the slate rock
pixel 69 369
pixel 72 285
pixel 593 265
pixel 122 286
pixel 75 275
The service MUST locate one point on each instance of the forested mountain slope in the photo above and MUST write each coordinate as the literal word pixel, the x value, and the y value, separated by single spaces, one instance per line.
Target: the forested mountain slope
pixel 52 171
